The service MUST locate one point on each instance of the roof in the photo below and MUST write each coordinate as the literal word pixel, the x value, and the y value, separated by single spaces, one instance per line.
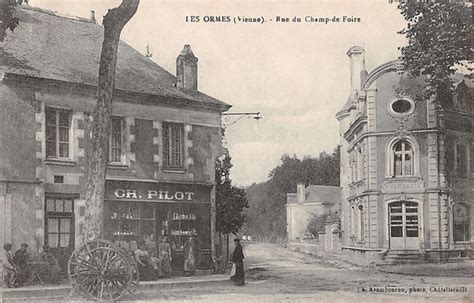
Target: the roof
pixel 48 46
pixel 322 193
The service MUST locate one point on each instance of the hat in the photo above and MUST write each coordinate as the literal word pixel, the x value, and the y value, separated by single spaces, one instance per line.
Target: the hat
pixel 237 239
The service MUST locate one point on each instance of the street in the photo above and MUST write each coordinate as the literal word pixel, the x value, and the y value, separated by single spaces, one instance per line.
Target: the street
pixel 274 274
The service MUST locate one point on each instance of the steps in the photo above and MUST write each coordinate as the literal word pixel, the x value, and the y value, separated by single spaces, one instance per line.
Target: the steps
pixel 403 257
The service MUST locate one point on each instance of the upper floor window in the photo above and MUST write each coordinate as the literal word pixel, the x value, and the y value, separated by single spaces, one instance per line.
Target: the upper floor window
pixel 403 159
pixel 115 145
pixel 173 145
pixel 58 123
pixel 360 163
pixel 461 158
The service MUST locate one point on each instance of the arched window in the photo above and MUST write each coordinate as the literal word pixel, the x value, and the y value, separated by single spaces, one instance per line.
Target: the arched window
pixel 460 223
pixel 402 159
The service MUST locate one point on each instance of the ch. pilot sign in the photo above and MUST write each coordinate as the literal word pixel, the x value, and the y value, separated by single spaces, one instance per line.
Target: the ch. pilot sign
pixel 153 195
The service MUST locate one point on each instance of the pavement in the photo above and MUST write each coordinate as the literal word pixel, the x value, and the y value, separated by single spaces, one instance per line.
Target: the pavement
pixel 35 292
pixel 451 268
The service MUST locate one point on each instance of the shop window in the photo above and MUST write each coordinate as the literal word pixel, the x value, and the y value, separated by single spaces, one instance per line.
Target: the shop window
pixel 402 159
pixel 57 132
pixel 115 144
pixel 173 145
pixel 461 159
pixel 460 223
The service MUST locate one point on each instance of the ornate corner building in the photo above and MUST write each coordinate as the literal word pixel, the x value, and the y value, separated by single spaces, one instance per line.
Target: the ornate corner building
pixel 407 166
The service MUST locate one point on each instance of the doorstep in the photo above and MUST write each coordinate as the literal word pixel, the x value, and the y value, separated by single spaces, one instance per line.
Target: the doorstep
pixel 64 290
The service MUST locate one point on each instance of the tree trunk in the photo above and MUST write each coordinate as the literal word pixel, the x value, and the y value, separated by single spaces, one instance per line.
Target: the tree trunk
pixel 227 248
pixel 113 22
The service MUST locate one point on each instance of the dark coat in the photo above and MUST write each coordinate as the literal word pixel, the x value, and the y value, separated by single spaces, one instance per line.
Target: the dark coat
pixel 238 254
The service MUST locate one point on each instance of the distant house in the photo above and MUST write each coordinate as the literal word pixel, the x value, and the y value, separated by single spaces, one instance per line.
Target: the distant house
pixel 309 201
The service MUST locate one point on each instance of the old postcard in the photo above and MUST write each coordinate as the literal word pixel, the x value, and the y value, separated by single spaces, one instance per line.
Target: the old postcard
pixel 236 151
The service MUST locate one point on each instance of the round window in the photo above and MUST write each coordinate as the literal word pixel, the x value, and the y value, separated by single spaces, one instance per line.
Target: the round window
pixel 402 106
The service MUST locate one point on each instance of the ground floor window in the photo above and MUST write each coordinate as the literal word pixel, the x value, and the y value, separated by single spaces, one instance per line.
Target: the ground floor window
pixel 460 223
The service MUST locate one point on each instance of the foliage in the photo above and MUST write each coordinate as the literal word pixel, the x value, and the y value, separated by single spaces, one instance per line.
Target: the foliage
pixel 267 213
pixel 8 20
pixel 230 200
pixel 316 223
pixel 439 37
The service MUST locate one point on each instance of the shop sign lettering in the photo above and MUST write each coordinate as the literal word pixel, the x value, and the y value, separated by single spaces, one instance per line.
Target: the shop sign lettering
pixel 162 195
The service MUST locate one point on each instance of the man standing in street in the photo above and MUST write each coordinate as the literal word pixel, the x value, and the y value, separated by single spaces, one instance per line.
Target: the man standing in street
pixel 238 259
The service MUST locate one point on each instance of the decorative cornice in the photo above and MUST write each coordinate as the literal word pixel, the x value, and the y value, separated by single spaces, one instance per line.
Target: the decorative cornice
pixel 390 66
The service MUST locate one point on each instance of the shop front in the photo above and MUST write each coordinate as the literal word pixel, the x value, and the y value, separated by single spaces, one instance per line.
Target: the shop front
pixel 136 210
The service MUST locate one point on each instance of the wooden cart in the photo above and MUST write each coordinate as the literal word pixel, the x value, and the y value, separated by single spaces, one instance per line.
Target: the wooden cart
pixel 99 270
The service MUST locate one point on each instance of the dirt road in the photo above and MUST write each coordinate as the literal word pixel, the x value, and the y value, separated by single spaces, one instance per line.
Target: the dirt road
pixel 275 274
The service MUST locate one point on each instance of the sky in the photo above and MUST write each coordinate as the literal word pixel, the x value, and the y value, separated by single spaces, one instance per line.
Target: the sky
pixel 296 74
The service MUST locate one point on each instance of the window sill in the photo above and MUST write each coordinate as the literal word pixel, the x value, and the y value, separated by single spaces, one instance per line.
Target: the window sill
pixel 174 170
pixel 403 178
pixel 116 165
pixel 57 161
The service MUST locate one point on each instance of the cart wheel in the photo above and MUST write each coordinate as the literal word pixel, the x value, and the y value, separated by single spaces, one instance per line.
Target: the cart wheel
pixel 45 276
pixel 99 270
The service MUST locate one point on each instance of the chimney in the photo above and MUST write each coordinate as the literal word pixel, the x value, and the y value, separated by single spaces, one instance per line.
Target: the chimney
pixel 93 17
pixel 186 69
pixel 357 59
pixel 300 193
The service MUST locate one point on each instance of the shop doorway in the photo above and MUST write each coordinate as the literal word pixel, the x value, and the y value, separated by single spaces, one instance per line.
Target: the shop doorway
pixel 404 225
pixel 59 228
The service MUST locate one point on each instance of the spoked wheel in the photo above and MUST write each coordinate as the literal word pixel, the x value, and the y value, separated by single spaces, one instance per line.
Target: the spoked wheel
pixel 99 270
pixel 46 276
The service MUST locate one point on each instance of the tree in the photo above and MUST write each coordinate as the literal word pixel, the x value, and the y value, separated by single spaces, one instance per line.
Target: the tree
pixel 8 20
pixel 316 223
pixel 230 201
pixel 97 154
pixel 439 37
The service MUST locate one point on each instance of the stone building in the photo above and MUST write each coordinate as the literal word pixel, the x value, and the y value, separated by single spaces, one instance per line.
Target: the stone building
pixel 165 137
pixel 407 166
pixel 311 200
